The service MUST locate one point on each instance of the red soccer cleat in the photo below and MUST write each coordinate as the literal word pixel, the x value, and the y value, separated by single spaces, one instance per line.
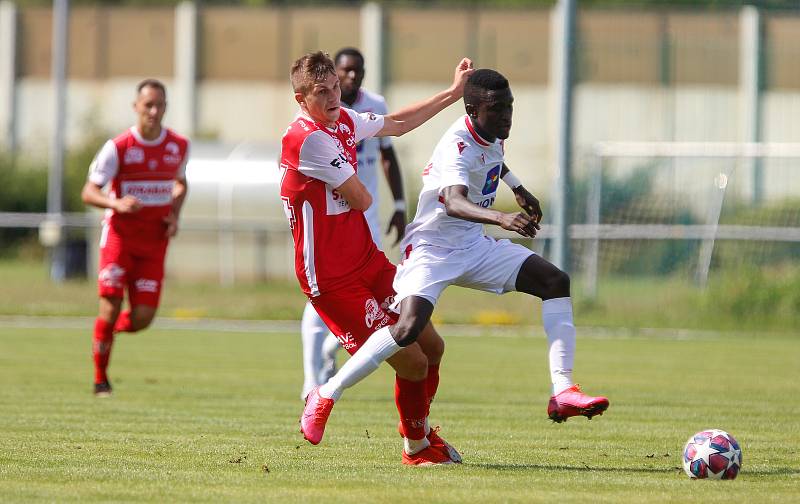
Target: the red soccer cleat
pixel 315 416
pixel 427 457
pixel 572 402
pixel 437 443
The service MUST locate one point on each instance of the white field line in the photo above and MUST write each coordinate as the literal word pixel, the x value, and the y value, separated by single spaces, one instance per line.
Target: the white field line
pixel 293 326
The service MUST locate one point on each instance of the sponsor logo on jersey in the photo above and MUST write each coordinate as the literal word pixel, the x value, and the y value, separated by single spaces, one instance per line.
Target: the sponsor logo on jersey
pixel 173 153
pixel 149 193
pixel 483 158
pixel 111 275
pixel 335 203
pixel 372 117
pixel 427 169
pixel 134 155
pixel 492 179
pixel 146 285
pixel 346 340
pixel 461 146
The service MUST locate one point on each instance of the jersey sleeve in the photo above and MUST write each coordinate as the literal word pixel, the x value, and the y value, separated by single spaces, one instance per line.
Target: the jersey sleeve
pixel 322 160
pixel 367 124
pixel 455 167
pixel 181 173
pixel 105 165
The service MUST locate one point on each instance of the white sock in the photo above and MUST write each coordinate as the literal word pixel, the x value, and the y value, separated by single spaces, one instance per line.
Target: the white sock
pixel 329 347
pixel 312 332
pixel 378 347
pixel 557 320
pixel 412 446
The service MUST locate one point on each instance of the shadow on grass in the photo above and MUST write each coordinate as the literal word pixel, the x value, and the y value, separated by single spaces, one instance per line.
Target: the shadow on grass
pixel 775 471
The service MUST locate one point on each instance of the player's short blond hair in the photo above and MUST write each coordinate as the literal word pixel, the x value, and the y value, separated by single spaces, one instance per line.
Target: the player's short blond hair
pixel 310 69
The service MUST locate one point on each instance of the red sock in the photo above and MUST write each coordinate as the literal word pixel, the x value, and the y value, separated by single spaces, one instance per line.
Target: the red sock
pixel 411 400
pixel 101 348
pixel 123 322
pixel 431 384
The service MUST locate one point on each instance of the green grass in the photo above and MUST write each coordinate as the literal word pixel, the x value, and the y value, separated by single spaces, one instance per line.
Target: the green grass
pixel 212 417
pixel 630 302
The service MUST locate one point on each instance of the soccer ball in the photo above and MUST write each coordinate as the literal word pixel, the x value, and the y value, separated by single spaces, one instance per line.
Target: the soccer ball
pixel 712 454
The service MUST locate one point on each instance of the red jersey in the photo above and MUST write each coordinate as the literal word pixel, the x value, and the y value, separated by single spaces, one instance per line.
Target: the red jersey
pixel 332 242
pixel 146 169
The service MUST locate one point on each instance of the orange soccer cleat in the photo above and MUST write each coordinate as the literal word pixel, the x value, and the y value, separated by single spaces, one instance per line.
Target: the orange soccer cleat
pixel 572 402
pixel 437 443
pixel 427 457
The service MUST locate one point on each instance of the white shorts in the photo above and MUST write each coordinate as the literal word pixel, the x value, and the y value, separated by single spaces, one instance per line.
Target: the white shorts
pixel 489 265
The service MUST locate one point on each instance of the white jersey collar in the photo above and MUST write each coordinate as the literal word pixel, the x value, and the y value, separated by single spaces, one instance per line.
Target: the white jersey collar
pixel 475 135
pixel 139 138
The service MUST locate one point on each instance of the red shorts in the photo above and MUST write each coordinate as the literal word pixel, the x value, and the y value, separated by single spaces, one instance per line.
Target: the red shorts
pixel 354 312
pixel 133 263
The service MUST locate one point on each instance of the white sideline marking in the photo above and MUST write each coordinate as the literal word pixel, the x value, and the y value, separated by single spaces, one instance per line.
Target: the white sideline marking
pixel 293 326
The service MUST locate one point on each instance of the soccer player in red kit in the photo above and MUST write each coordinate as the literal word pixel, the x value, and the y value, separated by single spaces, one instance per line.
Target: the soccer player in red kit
pixel 339 267
pixel 145 168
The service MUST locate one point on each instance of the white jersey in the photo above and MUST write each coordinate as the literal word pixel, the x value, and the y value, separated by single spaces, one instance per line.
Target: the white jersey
pixel 369 158
pixel 462 157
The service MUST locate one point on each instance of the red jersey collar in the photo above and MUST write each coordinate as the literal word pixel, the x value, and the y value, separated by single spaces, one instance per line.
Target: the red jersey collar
pixel 474 133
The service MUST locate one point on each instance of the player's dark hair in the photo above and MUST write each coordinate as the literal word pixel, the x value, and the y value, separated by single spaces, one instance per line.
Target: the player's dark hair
pixel 153 83
pixel 310 69
pixel 481 81
pixel 349 51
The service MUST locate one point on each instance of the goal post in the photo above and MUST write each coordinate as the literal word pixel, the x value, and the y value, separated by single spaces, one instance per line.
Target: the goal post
pixel 697 177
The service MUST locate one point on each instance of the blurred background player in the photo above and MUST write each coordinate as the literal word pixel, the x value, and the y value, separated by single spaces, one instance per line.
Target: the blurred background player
pixel 145 167
pixel 339 267
pixel 446 245
pixel 319 344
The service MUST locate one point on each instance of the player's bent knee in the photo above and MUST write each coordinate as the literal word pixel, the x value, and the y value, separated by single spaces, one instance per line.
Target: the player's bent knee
pixel 559 284
pixel 404 333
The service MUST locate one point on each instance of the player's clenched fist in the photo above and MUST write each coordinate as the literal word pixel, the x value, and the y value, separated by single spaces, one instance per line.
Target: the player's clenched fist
pixel 518 222
pixel 463 71
pixel 127 204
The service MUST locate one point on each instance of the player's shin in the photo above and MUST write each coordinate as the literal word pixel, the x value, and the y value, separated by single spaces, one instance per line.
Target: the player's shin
pixel 378 347
pixel 411 400
pixel 560 330
pixel 101 348
pixel 431 385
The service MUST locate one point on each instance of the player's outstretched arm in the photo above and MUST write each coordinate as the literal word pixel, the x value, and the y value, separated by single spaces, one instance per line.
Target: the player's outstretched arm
pixel 391 169
pixel 458 205
pixel 525 200
pixel 92 194
pixel 408 118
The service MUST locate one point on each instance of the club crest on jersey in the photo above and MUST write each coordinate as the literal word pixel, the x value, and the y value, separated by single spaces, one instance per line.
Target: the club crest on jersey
pixel 344 128
pixel 461 146
pixel 492 180
pixel 134 155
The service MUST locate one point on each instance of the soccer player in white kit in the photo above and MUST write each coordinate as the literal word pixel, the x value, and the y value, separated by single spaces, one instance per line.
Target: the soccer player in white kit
pixel 445 244
pixel 319 344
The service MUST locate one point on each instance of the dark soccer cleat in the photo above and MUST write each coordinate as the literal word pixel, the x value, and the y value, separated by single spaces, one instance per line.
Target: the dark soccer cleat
pixel 572 402
pixel 102 389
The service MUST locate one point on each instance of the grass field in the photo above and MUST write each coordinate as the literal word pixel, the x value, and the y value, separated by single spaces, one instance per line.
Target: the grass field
pixel 205 416
pixel 662 302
